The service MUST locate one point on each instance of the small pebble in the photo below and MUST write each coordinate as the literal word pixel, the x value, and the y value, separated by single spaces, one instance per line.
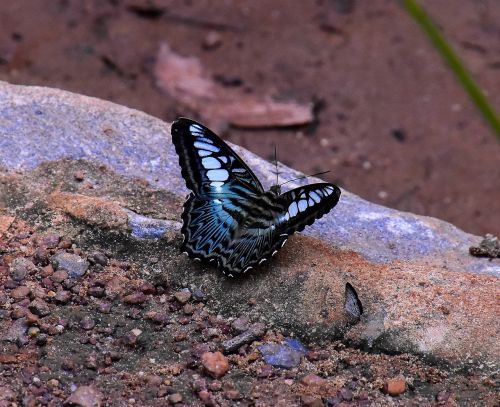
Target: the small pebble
pixel 215 364
pixel 175 398
pixel 394 387
pixel 20 293
pixel 39 307
pixel 183 296
pixel 135 298
pixel 20 268
pixel 311 379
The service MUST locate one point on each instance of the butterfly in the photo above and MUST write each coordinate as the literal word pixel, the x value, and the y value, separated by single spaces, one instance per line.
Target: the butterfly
pixel 228 218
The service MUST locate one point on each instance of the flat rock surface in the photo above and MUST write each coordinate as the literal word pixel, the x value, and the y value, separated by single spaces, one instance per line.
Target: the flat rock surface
pixel 94 176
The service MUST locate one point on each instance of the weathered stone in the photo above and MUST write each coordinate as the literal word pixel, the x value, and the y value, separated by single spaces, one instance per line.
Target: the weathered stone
pixel 280 355
pixel 20 268
pixel 39 307
pixel 425 260
pixel 85 396
pixel 215 364
pixel 20 292
pixel 74 265
pixel 134 298
pixel 183 296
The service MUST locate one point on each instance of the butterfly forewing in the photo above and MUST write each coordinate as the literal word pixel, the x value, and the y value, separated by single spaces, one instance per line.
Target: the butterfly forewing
pixel 228 218
pixel 209 166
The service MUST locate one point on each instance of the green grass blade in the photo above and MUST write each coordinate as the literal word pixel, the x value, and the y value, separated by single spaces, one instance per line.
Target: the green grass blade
pixel 456 65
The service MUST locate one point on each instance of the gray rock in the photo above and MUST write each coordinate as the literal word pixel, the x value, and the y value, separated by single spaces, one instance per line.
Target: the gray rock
pixel 20 268
pixel 39 307
pixel 17 332
pixel 74 265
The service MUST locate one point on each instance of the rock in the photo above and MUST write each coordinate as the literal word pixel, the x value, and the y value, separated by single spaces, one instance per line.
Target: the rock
pixel 98 257
pixel 59 276
pixel 311 380
pixel 394 387
pixel 240 324
pixel 20 293
pixel 252 334
pixel 20 268
pixel 359 242
pixel 50 241
pixel 5 222
pixel 175 398
pixel 281 355
pixel 74 265
pixel 134 298
pixel 16 332
pixel 62 296
pixel 215 364
pixel 311 401
pixel 85 396
pixel 148 228
pixel 87 323
pixel 93 211
pixel 39 307
pixel 183 296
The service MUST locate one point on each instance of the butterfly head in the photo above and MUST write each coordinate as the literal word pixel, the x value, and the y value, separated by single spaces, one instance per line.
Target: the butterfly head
pixel 275 190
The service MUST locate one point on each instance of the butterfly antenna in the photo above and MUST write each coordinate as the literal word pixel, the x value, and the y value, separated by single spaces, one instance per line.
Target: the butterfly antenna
pixel 276 163
pixel 305 176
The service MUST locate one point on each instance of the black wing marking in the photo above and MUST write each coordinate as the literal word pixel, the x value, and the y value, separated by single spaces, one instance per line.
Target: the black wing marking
pixel 209 166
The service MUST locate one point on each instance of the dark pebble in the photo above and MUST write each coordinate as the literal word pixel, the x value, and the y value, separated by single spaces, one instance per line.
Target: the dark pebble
pixel 62 296
pixel 41 339
pixel 10 284
pixel 97 292
pixel 39 307
pixel 41 256
pixel 199 295
pixel 87 323
pixel 252 334
pixel 98 258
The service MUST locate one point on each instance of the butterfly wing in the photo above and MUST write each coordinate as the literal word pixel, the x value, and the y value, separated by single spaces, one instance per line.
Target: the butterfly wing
pixel 209 166
pixel 305 204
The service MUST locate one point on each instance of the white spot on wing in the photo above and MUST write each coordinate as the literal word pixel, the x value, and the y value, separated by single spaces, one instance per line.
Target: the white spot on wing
pixel 239 170
pixel 316 198
pixel 203 153
pixel 210 163
pixel 302 205
pixel 216 184
pixel 276 251
pixel 217 175
pixel 310 202
pixel 223 158
pixel 206 146
pixel 195 129
pixel 292 209
pixel 284 241
pixel 262 261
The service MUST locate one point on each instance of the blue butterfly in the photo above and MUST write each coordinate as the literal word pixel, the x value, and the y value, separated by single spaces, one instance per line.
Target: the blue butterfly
pixel 228 218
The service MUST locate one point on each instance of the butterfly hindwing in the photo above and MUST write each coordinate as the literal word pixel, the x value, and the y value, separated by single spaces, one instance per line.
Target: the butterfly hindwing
pixel 306 204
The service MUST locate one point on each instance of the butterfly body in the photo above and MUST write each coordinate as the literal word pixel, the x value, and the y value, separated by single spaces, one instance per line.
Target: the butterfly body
pixel 228 218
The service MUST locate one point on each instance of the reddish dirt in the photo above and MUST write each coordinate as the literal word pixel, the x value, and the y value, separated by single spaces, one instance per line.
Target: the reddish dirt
pixel 392 123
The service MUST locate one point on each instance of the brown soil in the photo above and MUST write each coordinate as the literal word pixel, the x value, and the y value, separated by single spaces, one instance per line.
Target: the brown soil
pixel 392 123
